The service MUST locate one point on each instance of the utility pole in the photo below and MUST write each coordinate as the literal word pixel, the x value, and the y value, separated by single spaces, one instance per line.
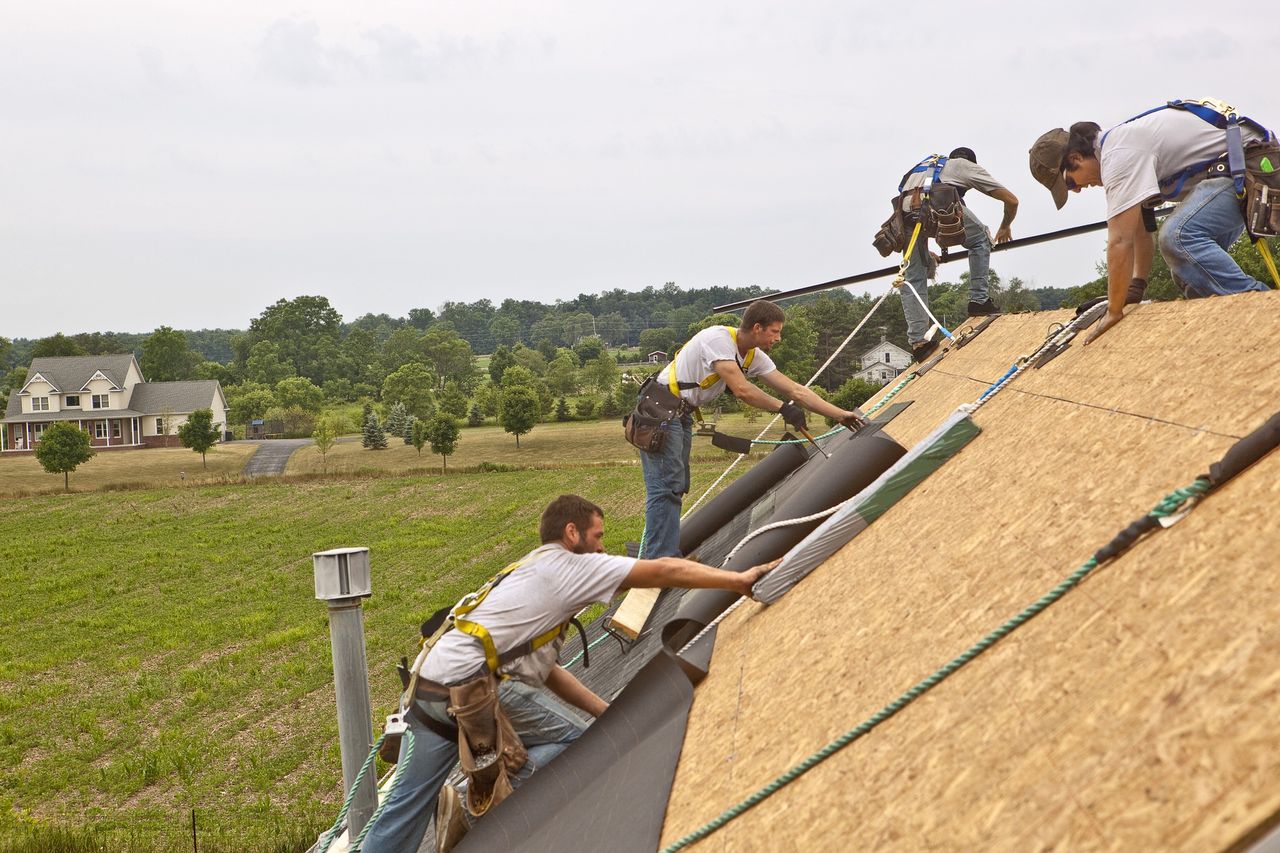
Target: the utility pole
pixel 343 581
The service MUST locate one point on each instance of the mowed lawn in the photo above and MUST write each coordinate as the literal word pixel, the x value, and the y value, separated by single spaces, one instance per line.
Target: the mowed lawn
pixel 549 444
pixel 161 650
pixel 124 469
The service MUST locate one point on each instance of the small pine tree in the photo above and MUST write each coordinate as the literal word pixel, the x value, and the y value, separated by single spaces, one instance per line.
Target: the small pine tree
pixel 419 437
pixel 395 420
pixel 562 410
pixel 585 408
pixel 374 438
pixel 409 422
pixel 475 417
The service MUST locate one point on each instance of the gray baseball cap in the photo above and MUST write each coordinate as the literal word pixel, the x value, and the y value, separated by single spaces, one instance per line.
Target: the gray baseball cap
pixel 1046 163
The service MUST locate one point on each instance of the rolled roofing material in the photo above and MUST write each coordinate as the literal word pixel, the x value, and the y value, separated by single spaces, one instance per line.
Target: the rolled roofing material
pixel 609 789
pixel 740 494
pixel 869 504
pixel 856 461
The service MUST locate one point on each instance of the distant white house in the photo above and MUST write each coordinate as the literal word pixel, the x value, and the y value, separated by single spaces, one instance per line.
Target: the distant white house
pixel 883 362
pixel 106 396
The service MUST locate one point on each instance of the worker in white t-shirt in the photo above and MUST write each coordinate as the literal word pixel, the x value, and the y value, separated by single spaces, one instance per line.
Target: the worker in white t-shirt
pixel 714 359
pixel 548 586
pixel 1169 154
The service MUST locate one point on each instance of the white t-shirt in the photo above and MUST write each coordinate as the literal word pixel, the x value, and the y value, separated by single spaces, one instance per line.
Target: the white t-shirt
pixel 958 172
pixel 1135 156
pixel 694 363
pixel 551 586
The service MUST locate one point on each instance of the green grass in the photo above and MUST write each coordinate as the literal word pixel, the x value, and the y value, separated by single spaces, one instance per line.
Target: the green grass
pixel 162 650
pixel 125 469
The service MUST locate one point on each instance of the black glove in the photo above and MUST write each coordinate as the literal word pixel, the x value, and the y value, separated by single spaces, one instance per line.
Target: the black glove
pixel 793 415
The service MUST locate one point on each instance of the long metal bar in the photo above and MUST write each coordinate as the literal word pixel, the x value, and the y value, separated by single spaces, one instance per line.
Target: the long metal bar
pixel 951 256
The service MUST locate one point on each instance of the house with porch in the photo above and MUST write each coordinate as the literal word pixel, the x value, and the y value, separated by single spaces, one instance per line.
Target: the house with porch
pixel 107 397
pixel 883 362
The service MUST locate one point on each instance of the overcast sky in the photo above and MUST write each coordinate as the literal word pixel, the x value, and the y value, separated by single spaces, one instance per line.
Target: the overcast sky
pixel 188 164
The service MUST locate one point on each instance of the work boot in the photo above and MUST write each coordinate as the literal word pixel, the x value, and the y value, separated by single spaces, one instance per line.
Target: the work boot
pixel 923 350
pixel 983 309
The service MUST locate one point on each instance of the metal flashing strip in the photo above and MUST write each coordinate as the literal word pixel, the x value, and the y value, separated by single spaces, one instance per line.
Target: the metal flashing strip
pixel 868 505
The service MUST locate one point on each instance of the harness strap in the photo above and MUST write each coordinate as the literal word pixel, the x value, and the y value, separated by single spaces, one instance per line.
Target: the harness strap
pixel 934 163
pixel 676 387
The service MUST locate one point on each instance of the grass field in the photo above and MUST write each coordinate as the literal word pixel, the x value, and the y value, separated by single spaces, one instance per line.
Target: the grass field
pixel 125 469
pixel 161 649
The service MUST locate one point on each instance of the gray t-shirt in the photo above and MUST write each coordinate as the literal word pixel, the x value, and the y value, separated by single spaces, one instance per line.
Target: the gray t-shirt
pixel 551 586
pixel 959 173
pixel 1134 157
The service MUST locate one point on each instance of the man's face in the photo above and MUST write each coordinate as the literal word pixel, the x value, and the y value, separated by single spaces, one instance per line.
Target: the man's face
pixel 1079 172
pixel 591 540
pixel 767 336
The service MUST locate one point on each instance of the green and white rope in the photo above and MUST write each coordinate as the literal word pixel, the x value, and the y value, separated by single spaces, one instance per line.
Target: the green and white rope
pixel 332 834
pixel 1166 507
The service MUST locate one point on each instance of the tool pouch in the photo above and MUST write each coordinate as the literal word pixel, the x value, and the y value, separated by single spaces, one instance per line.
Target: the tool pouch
pixel 1262 189
pixel 489 750
pixel 656 410
pixel 946 214
pixel 892 236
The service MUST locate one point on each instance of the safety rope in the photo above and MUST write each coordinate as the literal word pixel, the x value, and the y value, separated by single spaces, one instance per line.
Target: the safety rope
pixel 355 786
pixel 1164 509
pixel 774 419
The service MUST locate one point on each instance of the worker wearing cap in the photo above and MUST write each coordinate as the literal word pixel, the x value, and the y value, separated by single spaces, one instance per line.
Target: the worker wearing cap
pixel 1131 162
pixel 714 359
pixel 962 171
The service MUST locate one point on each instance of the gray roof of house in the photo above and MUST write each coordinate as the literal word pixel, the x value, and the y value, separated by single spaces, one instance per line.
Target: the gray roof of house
pixel 155 398
pixel 69 373
pixel 12 417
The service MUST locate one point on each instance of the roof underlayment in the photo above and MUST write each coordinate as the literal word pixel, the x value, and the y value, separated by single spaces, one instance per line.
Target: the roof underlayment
pixel 1137 712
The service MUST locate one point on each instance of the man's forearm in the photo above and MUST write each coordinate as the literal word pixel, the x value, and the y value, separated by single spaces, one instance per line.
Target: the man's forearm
pixel 1144 253
pixel 665 572
pixel 811 401
pixel 1010 211
pixel 1120 266
pixel 565 685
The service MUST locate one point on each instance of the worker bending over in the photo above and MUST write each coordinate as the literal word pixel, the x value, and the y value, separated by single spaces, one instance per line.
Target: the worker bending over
pixel 714 359
pixel 527 610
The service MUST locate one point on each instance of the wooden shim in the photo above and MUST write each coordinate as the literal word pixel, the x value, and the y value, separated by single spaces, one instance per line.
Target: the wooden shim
pixel 633 613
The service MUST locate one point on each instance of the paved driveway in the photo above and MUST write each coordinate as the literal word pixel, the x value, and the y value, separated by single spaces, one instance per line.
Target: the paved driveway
pixel 273 454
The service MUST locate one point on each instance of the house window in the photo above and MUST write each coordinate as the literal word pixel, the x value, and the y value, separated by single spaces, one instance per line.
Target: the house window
pixel 37 430
pixel 99 429
pixel 73 401
pixel 115 429
pixel 160 426
pixel 39 404
pixel 101 401
pixel 886 358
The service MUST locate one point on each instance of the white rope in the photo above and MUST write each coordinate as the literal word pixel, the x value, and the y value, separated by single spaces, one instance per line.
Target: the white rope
pixel 774 420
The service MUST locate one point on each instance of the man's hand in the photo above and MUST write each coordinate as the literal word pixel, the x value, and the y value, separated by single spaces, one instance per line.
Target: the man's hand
pixel 1108 320
pixel 753 574
pixel 793 415
pixel 1004 235
pixel 853 421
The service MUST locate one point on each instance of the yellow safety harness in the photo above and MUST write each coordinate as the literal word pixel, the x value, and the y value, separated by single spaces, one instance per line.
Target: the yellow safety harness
pixel 472 600
pixel 677 387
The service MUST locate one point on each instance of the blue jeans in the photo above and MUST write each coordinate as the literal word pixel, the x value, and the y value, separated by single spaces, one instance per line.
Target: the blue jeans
pixel 1195 237
pixel 543 725
pixel 666 480
pixel 978 242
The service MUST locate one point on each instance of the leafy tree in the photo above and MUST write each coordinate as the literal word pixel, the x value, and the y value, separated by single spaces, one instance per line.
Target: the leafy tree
pixel 411 385
pixel 63 448
pixel 612 327
pixel 452 401
pixel 265 366
pixel 562 410
pixel 601 372
pixel 854 393
pixel 519 410
pixel 585 407
pixel 442 432
pixel 166 356
pixel 518 375
pixel 339 390
pixel 504 330
pixel 200 433
pixel 374 437
pixel 549 328
pixel 661 338
pixel 470 320
pixel 562 375
pixel 449 356
pixel 324 436
pixel 794 354
pixel 421 318
pixel 498 364
pixel 419 436
pixel 588 348
pixel 579 326
pixel 475 417
pixel 306 330
pixel 486 397
pixel 56 345
pixel 5 346
pixel 301 392
pixel 396 418
pixel 532 359
pixel 248 402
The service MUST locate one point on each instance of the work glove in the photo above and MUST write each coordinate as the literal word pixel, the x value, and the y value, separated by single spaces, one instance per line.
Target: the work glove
pixel 793 415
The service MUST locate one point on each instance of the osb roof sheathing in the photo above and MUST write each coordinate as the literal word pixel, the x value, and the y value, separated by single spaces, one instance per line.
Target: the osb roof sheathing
pixel 1136 713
